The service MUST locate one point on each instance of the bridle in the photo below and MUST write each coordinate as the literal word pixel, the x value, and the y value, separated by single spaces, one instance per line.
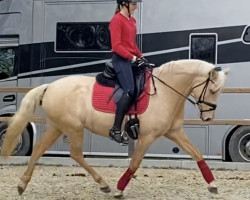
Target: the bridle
pixel 201 99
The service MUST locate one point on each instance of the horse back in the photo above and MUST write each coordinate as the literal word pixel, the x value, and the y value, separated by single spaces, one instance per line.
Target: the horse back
pixel 67 94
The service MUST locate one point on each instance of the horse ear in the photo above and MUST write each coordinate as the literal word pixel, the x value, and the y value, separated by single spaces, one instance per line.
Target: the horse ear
pixel 213 74
pixel 226 71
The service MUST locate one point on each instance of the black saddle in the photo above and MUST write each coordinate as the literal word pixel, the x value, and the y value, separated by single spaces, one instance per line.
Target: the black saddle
pixel 108 78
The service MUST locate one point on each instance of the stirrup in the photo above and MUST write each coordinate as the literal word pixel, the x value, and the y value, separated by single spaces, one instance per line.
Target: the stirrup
pixel 119 137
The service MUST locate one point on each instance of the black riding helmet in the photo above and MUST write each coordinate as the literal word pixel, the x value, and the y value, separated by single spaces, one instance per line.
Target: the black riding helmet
pixel 123 2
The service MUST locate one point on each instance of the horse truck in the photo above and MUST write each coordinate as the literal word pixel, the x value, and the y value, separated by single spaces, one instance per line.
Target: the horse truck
pixel 44 40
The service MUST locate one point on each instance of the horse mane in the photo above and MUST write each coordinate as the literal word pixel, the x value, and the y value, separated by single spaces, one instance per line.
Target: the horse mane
pixel 221 75
pixel 191 67
pixel 220 83
pixel 195 67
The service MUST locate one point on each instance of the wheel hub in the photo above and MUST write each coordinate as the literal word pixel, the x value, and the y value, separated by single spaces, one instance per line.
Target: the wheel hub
pixel 19 144
pixel 2 136
pixel 248 148
pixel 244 147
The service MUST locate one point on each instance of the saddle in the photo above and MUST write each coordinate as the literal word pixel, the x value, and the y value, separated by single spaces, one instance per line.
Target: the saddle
pixel 108 78
pixel 107 92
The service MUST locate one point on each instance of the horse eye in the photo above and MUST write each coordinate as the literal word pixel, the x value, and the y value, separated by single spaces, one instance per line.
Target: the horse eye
pixel 212 92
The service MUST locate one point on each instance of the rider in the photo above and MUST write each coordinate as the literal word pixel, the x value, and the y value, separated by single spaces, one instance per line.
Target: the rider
pixel 125 54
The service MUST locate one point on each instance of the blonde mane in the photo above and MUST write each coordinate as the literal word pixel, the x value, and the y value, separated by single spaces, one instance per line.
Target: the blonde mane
pixel 194 67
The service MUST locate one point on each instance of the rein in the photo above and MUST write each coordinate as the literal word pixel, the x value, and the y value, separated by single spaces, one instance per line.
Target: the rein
pixel 202 95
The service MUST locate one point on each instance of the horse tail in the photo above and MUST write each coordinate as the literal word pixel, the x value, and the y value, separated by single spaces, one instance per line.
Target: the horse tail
pixel 20 120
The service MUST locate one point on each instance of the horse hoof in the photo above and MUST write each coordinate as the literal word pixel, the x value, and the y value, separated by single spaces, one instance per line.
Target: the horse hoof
pixel 213 190
pixel 21 187
pixel 20 190
pixel 105 189
pixel 118 195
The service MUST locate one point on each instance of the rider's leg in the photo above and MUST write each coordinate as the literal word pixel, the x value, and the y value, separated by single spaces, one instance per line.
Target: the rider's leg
pixel 122 107
pixel 125 76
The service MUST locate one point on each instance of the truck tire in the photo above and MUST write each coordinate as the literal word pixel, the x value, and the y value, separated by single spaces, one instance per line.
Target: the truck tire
pixel 23 145
pixel 239 145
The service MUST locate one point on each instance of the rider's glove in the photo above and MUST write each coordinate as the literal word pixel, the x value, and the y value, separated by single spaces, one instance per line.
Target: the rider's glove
pixel 148 64
pixel 144 59
pixel 140 62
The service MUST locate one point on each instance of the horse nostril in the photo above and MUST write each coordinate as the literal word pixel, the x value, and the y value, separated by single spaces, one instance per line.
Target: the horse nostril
pixel 206 119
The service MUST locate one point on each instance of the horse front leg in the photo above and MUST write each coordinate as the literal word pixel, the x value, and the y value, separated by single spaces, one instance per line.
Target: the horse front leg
pixel 181 139
pixel 140 150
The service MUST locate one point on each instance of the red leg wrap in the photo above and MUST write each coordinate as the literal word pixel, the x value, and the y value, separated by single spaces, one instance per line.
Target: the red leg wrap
pixel 206 172
pixel 124 180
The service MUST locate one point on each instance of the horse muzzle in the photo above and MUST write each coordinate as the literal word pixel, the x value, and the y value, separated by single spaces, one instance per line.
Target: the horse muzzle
pixel 206 119
pixel 207 116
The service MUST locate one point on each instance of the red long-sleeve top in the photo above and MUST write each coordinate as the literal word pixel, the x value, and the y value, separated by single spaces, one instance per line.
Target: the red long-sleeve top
pixel 123 36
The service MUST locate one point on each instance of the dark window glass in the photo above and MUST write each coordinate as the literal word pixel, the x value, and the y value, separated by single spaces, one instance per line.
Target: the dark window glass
pixel 83 37
pixel 203 47
pixel 7 62
pixel 246 36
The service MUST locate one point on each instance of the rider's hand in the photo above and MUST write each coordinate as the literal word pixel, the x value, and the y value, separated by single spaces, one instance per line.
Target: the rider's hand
pixel 140 62
pixel 144 59
pixel 148 64
pixel 143 62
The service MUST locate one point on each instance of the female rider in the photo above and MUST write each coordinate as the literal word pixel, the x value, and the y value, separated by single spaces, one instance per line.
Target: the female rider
pixel 125 54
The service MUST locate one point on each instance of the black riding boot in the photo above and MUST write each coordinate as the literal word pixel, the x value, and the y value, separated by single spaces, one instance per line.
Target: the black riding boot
pixel 115 132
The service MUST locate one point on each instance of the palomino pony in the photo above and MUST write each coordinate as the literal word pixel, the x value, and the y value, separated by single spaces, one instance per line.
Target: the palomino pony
pixel 68 109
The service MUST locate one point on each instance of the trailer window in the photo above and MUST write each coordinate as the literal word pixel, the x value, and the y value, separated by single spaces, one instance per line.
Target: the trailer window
pixel 203 47
pixel 83 37
pixel 7 62
pixel 246 36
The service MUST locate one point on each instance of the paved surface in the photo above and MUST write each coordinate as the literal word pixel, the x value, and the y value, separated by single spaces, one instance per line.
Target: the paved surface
pixel 124 162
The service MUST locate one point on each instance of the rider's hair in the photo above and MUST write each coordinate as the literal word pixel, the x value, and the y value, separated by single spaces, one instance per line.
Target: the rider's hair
pixel 120 4
pixel 118 9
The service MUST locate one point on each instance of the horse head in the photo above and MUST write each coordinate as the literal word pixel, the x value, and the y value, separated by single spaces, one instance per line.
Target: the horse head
pixel 206 92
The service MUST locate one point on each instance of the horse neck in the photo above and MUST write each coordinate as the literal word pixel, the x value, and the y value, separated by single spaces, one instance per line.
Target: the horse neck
pixel 179 76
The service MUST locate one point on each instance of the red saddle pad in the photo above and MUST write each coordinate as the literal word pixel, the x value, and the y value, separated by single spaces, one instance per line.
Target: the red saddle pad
pixel 101 95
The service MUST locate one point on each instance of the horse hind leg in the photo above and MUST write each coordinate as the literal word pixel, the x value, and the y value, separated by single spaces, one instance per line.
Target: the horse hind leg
pixel 181 139
pixel 76 153
pixel 51 135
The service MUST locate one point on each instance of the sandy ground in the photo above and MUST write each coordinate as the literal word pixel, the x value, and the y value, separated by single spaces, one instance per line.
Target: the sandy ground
pixel 59 183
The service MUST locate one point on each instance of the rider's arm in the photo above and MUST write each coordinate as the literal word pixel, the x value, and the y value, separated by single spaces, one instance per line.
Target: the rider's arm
pixel 138 52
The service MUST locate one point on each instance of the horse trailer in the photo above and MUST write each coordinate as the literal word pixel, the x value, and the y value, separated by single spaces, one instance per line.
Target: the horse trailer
pixel 44 40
